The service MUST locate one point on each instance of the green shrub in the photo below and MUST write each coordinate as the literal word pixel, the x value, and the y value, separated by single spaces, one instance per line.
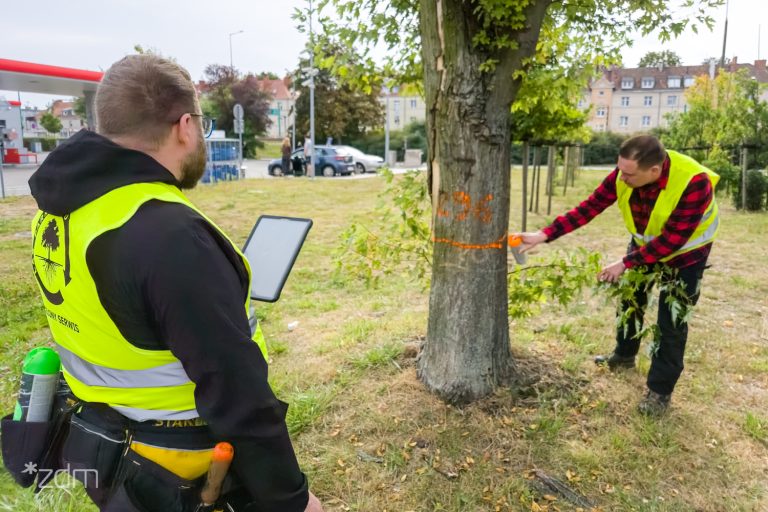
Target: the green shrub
pixel 49 143
pixel 719 161
pixel 757 187
pixel 603 148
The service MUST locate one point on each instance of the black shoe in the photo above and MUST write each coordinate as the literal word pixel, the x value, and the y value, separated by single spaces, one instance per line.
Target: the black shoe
pixel 654 405
pixel 615 361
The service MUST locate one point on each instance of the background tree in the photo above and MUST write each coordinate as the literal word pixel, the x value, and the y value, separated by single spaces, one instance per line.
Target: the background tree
pixel 223 89
pixel 663 58
pixel 474 56
pixel 344 110
pixel 725 112
pixel 51 123
pixel 78 105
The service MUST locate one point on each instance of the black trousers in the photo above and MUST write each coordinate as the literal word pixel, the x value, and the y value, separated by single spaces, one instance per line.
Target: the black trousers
pixel 667 361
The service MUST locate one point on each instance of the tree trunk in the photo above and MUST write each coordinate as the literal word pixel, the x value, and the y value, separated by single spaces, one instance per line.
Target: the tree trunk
pixel 550 177
pixel 537 167
pixel 467 353
pixel 524 222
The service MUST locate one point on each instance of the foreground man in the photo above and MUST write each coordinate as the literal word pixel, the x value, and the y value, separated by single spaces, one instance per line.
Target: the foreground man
pixel 668 205
pixel 147 302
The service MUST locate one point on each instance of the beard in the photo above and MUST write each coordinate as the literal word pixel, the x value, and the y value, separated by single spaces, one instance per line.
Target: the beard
pixel 193 167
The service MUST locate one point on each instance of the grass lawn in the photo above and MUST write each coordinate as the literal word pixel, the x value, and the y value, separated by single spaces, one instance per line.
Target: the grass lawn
pixel 371 439
pixel 270 150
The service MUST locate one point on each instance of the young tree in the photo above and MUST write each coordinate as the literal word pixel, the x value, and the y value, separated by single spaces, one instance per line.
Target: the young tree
pixel 662 58
pixel 724 112
pixel 474 56
pixel 51 123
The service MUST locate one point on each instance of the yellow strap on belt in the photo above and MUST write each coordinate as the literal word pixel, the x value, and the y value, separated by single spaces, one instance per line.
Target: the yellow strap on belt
pixel 188 464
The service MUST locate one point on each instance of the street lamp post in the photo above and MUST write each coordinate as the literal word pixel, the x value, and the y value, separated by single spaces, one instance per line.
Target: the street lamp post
pixel 387 92
pixel 231 62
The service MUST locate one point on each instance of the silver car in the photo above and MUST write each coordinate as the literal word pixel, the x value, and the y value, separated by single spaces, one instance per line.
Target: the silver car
pixel 363 163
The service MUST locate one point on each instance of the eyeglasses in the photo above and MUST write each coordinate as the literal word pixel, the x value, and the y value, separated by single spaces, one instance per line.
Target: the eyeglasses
pixel 208 124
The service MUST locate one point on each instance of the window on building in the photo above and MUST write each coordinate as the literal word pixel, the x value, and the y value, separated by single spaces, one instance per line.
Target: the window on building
pixel 646 120
pixel 647 83
pixel 688 81
pixel 397 104
pixel 624 121
pixel 625 101
pixel 673 81
pixel 600 93
pixel 600 111
pixel 601 127
pixel 397 119
pixel 647 101
pixel 627 83
pixel 413 103
pixel 671 100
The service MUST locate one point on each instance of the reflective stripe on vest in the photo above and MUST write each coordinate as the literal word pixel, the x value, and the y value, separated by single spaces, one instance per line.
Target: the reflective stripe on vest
pixel 99 364
pixel 171 374
pixel 682 170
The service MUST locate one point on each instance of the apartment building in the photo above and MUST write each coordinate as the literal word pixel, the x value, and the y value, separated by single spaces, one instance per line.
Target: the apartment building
pixel 281 107
pixel 404 108
pixel 630 100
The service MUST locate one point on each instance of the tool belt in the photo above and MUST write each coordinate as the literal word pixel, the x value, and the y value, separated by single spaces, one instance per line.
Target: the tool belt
pixel 160 464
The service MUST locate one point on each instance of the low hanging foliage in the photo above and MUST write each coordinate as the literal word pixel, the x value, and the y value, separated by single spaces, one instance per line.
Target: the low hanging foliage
pixel 400 244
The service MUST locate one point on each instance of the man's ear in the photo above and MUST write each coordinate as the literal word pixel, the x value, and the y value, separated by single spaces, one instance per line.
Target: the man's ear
pixel 185 130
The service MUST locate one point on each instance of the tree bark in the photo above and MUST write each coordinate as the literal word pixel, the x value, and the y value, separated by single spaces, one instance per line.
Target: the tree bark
pixel 467 351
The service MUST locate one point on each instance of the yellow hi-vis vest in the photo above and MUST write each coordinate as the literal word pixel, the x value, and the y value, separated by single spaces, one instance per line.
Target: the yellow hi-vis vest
pixel 98 363
pixel 682 169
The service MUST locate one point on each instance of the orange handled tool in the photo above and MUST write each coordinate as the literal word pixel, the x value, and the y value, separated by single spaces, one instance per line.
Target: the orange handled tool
pixel 514 242
pixel 221 458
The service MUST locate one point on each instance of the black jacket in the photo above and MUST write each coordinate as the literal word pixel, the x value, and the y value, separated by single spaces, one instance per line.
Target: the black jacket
pixel 170 281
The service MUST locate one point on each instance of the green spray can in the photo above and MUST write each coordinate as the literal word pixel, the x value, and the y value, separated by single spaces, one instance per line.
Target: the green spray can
pixel 39 380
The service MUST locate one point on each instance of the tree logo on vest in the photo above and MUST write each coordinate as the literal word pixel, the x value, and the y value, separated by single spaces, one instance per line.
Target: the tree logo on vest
pixel 51 256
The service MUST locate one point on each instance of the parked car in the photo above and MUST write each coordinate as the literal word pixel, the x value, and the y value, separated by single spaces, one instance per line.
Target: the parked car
pixel 329 161
pixel 364 163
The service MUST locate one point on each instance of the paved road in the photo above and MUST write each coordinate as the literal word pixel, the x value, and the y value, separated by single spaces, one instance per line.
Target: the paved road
pixel 15 177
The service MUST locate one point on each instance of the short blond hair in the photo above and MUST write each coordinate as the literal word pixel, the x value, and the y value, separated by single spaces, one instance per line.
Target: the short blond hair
pixel 142 96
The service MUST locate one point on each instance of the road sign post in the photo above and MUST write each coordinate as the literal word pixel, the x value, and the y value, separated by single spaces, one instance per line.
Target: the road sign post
pixel 2 153
pixel 237 111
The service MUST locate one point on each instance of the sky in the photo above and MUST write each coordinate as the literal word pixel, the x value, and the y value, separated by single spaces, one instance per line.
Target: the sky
pixel 92 34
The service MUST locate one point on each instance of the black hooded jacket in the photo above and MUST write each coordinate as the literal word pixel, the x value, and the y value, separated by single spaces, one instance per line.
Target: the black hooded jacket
pixel 170 281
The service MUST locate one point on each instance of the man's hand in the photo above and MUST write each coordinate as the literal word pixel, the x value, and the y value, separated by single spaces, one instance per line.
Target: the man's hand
pixel 612 272
pixel 313 505
pixel 531 240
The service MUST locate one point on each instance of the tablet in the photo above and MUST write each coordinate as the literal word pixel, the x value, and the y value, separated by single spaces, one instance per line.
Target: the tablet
pixel 271 249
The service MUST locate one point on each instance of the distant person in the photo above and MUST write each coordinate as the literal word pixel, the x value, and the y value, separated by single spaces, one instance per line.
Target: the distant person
pixel 667 201
pixel 286 151
pixel 309 152
pixel 161 354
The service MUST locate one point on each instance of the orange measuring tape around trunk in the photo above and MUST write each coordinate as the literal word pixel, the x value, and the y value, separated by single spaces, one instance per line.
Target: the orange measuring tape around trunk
pixel 512 241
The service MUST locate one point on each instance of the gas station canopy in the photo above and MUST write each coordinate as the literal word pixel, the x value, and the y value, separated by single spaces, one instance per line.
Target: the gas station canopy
pixel 28 77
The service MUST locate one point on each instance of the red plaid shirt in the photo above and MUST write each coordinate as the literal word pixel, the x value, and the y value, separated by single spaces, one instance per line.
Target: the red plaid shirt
pixel 678 229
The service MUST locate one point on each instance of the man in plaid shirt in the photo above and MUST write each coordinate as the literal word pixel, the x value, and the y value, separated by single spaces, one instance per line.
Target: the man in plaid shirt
pixel 668 204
